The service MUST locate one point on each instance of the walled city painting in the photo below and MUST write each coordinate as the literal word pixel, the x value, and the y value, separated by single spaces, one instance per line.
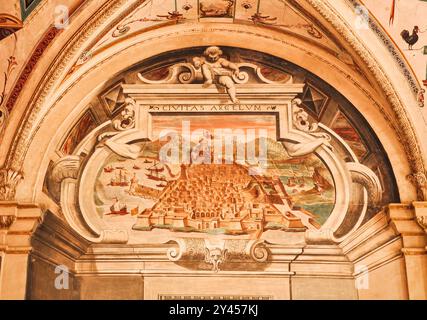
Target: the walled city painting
pixel 216 197
pixel 213 150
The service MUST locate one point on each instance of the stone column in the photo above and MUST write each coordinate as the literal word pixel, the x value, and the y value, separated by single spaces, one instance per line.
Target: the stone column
pixel 17 223
pixel 404 220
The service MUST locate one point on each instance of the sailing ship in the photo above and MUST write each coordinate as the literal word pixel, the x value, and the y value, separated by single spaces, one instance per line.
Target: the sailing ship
pixel 155 172
pixel 120 180
pixel 118 208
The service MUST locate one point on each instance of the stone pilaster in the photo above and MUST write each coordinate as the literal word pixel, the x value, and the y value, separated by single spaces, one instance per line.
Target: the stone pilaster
pixel 404 220
pixel 17 224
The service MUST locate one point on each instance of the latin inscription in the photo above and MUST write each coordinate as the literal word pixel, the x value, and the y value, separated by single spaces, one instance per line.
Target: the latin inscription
pixel 214 108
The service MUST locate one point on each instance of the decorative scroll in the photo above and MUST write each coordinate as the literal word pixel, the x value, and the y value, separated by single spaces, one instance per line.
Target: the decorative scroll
pixel 210 69
pixel 66 167
pixel 198 250
pixel 364 176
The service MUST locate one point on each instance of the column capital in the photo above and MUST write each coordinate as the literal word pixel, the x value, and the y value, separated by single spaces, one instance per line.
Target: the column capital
pixel 9 180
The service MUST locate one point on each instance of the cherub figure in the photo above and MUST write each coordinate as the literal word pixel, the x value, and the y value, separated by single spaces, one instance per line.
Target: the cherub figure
pixel 217 69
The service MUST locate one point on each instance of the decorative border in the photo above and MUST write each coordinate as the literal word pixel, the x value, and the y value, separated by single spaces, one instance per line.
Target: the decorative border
pixel 404 127
pixel 399 58
pixel 25 74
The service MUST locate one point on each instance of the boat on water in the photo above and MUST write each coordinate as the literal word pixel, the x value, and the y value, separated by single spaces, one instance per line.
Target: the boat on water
pixel 120 180
pixel 155 172
pixel 135 167
pixel 147 161
pixel 118 208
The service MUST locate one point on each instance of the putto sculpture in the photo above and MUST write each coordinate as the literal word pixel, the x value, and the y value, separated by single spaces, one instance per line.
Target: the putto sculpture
pixel 218 70
pixel 211 68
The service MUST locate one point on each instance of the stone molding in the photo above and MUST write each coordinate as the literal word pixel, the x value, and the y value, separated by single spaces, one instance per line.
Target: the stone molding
pixel 18 222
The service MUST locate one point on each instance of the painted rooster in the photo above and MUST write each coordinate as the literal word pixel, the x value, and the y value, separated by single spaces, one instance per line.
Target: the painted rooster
pixel 410 39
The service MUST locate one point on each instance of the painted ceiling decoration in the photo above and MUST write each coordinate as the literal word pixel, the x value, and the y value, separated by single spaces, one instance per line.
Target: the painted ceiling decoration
pixel 406 24
pixel 155 13
pixel 293 18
